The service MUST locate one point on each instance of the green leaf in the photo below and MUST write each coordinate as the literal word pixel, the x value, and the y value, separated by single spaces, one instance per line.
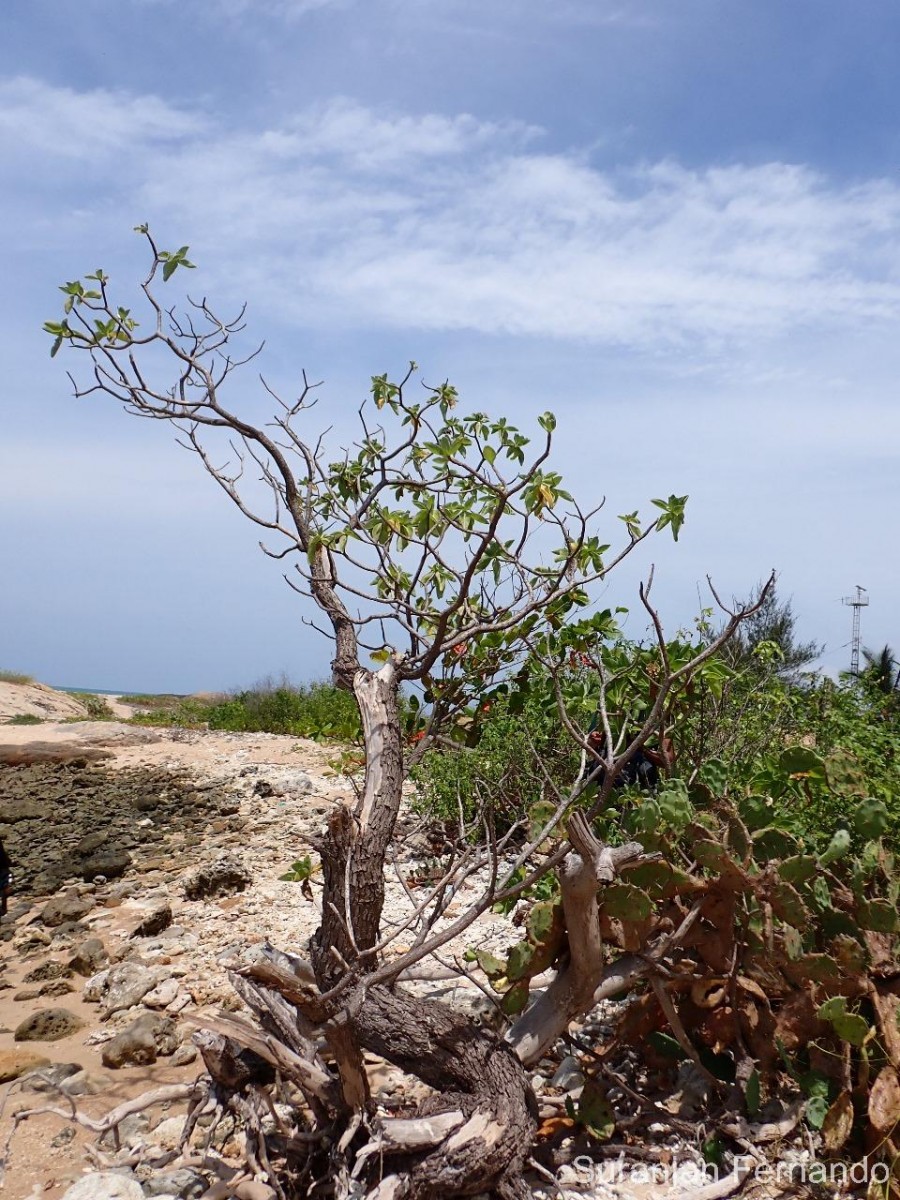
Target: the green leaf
pixel 837 848
pixel 515 999
pixel 871 818
pixel 595 1112
pixel 625 902
pixel 752 1093
pixel 850 1027
pixel 801 762
pixel 799 868
pixel 492 966
pixel 816 1111
pixel 786 903
pixel 877 915
pixel 665 1044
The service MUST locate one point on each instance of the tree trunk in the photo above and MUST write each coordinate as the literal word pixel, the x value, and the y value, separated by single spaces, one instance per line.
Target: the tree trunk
pixel 474 1073
pixel 353 850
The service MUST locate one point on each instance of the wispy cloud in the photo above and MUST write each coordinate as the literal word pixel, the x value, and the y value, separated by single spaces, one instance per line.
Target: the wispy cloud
pixel 64 123
pixel 344 215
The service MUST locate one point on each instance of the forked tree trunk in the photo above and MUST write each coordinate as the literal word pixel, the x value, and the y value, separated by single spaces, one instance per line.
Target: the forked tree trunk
pixel 353 851
pixel 475 1075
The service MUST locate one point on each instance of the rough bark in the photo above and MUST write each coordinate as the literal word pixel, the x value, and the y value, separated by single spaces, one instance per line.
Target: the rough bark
pixel 573 992
pixel 474 1073
pixel 353 850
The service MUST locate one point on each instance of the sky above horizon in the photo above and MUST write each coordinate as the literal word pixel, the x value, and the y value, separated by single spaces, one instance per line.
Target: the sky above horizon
pixel 677 225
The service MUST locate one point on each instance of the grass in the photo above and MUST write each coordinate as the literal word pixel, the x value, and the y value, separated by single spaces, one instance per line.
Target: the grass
pixel 15 677
pixel 318 710
pixel 148 700
pixel 24 719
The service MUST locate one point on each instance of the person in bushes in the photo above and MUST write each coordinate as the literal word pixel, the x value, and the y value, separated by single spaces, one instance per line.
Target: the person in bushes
pixel 642 769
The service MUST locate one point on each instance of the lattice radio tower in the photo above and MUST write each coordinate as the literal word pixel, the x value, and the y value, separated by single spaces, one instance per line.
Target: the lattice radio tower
pixel 860 600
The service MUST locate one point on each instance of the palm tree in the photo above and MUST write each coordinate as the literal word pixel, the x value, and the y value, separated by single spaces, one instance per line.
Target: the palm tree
pixel 882 670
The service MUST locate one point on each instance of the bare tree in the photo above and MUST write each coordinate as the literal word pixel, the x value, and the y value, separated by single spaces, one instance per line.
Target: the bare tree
pixel 440 549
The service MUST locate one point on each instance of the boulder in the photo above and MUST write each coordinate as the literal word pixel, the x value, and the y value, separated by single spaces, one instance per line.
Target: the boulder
pixel 184 1183
pixel 221 876
pixel 141 1043
pixel 110 863
pixel 89 957
pixel 67 907
pixel 15 810
pixel 48 1025
pixel 51 969
pixel 105 1185
pixel 49 1078
pixel 15 1063
pixel 162 995
pixel 157 919
pixel 125 985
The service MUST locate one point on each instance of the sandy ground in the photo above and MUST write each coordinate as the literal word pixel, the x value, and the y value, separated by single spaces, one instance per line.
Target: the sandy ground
pixel 40 1163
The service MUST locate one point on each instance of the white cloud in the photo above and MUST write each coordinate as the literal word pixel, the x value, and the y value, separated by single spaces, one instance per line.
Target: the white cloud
pixel 36 117
pixel 347 216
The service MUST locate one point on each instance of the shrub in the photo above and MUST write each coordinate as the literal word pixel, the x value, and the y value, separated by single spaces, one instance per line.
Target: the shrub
pixel 317 710
pixel 96 707
pixel 24 719
pixel 15 677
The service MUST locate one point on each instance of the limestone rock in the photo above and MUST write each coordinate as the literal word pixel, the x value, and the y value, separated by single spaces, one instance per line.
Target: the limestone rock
pixel 142 1042
pixel 48 1025
pixel 51 969
pixel 14 1063
pixel 162 995
pixel 126 985
pixel 89 957
pixel 221 876
pixel 105 1185
pixel 93 990
pixel 184 1183
pixel 156 920
pixel 49 1078
pixel 67 907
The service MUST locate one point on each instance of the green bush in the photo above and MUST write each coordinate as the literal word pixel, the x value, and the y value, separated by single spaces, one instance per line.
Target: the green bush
pixel 150 701
pixel 317 710
pixel 96 707
pixel 511 759
pixel 24 719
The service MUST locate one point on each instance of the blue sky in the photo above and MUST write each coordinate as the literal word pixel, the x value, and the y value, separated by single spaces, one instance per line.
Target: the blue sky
pixel 676 224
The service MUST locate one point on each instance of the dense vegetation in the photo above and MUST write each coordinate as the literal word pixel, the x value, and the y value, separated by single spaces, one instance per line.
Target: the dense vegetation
pixel 316 710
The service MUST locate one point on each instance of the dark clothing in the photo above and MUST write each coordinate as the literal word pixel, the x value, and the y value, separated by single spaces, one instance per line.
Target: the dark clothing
pixel 5 878
pixel 639 771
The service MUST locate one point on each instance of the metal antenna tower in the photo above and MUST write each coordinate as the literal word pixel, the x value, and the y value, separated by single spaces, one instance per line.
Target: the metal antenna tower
pixel 860 600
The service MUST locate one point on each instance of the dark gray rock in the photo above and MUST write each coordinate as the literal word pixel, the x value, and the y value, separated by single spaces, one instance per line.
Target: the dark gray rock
pixel 67 907
pixel 89 957
pixel 221 877
pixel 48 1025
pixel 110 863
pixel 141 1043
pixel 158 919
pixel 88 845
pixel 51 969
